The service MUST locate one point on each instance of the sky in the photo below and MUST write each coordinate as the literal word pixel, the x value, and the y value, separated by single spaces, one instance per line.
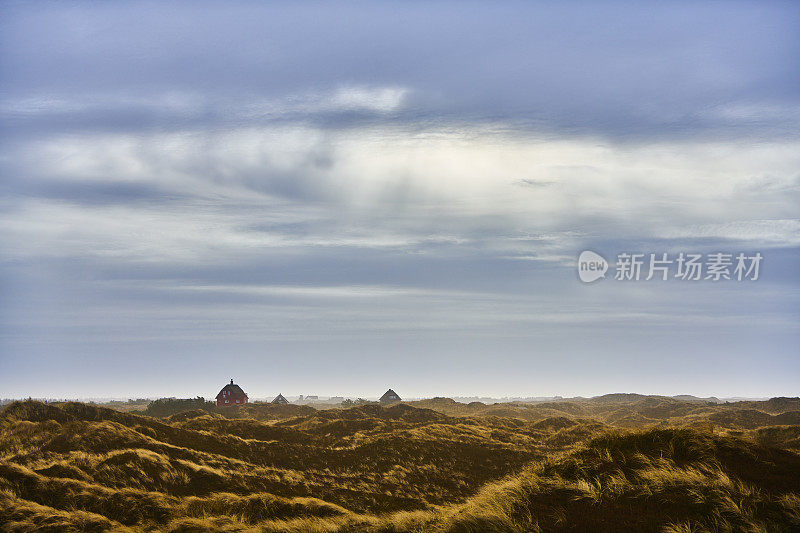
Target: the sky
pixel 335 199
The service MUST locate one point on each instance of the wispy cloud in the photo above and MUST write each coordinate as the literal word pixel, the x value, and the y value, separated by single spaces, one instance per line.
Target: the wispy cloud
pixel 416 180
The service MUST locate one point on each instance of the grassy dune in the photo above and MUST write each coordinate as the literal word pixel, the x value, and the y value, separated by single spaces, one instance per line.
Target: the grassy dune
pixel 669 465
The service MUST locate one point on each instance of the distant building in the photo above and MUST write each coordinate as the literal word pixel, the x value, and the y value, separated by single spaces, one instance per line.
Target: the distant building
pixel 390 396
pixel 279 399
pixel 312 397
pixel 230 395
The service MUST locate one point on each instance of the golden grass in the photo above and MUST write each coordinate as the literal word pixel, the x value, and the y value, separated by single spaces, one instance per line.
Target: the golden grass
pixel 76 467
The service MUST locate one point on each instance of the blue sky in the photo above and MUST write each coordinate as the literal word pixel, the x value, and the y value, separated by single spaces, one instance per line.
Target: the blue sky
pixel 320 199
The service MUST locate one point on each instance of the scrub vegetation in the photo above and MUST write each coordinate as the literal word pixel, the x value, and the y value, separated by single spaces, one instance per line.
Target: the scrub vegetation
pixel 612 463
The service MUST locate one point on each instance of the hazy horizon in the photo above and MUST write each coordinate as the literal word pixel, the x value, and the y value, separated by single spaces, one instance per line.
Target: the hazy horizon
pixel 294 396
pixel 317 198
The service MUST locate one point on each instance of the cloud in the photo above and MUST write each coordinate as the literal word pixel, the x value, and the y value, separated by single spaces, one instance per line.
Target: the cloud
pixel 195 194
pixel 175 104
pixel 755 232
pixel 609 70
pixel 416 180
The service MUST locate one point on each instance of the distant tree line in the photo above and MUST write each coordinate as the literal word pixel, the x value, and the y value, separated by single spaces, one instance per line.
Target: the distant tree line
pixel 360 401
pixel 170 406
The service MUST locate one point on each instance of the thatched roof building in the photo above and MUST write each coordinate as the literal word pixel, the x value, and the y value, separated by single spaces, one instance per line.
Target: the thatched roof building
pixel 230 395
pixel 390 396
pixel 279 399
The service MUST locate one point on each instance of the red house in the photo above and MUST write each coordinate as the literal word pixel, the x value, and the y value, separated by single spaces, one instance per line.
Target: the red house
pixel 231 394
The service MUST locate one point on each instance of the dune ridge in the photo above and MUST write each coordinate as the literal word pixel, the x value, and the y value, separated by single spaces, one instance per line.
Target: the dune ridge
pixel 603 464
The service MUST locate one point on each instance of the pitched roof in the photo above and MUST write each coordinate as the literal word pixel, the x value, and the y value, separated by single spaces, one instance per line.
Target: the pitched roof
pixel 391 396
pixel 280 399
pixel 234 391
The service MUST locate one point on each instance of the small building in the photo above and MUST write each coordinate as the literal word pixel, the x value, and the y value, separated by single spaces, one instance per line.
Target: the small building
pixel 279 399
pixel 230 395
pixel 390 396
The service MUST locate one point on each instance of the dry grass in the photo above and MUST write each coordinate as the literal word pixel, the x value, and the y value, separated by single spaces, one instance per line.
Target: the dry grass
pixel 76 467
